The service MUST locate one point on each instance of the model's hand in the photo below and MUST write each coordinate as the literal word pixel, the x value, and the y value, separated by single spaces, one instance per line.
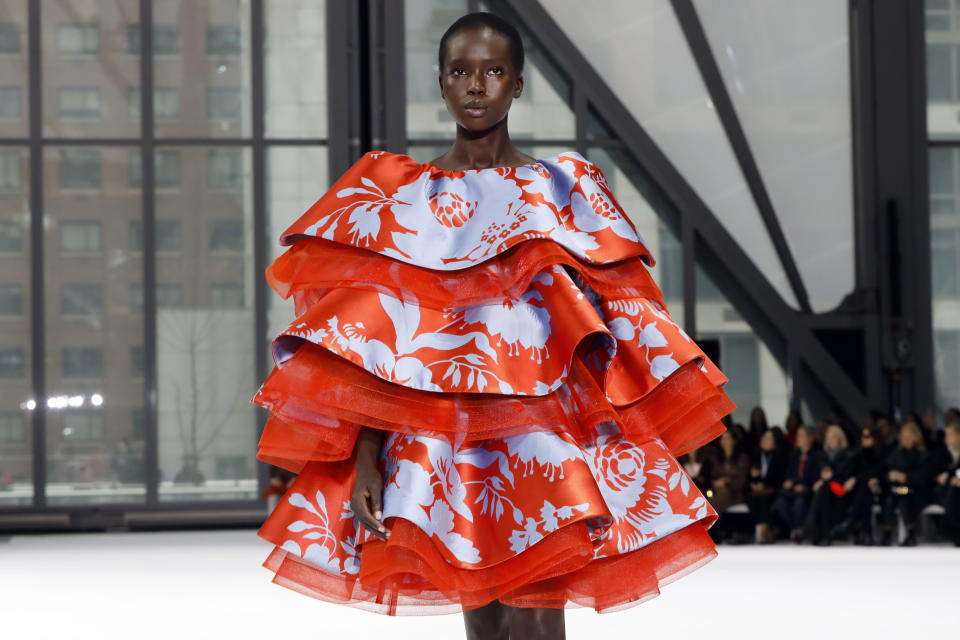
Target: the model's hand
pixel 367 498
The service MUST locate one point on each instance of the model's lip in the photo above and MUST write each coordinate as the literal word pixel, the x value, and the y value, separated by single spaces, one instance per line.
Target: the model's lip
pixel 475 105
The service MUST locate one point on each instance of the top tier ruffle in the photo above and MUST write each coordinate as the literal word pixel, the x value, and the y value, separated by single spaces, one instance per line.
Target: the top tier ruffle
pixel 379 205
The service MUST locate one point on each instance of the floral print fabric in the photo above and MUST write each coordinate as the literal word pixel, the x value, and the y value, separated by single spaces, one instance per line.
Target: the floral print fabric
pixel 532 517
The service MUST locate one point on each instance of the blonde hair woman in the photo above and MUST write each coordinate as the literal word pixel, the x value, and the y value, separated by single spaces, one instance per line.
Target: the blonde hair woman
pixel 907 486
pixel 830 500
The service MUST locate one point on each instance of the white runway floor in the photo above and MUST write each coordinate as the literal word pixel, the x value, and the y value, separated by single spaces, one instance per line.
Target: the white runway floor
pixel 210 585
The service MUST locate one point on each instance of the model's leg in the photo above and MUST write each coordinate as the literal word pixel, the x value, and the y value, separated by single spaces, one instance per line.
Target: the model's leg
pixel 537 624
pixel 489 621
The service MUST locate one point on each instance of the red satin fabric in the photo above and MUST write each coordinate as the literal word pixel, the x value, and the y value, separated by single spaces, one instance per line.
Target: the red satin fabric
pixel 534 391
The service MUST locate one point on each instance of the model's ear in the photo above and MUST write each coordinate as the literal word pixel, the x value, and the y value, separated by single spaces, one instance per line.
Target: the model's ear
pixel 518 89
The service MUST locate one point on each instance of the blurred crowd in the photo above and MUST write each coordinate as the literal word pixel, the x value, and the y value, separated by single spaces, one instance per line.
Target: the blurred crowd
pixel 833 481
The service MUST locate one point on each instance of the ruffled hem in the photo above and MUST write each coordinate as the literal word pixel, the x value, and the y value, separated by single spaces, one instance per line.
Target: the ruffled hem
pixel 431 218
pixel 314 264
pixel 407 575
pixel 318 400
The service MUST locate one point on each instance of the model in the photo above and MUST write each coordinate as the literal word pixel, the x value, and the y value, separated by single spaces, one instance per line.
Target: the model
pixel 482 392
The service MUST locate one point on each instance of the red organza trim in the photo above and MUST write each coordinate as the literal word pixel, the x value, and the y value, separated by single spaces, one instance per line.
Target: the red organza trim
pixel 314 263
pixel 408 576
pixel 317 400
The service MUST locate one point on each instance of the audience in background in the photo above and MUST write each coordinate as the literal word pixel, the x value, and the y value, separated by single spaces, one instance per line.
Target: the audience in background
pixel 863 485
pixel 758 427
pixel 832 482
pixel 945 466
pixel 828 506
pixel 803 469
pixel 729 481
pixel 906 476
pixel 768 466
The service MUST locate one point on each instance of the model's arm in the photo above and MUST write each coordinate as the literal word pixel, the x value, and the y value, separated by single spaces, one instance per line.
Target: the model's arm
pixel 367 498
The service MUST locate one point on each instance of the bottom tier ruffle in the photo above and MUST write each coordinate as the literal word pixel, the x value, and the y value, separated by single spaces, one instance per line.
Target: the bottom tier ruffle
pixel 534 520
pixel 406 579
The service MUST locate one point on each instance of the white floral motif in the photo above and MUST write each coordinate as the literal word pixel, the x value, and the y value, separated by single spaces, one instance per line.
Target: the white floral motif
pixel 517 322
pixel 364 219
pixel 550 516
pixel 321 553
pixel 543 448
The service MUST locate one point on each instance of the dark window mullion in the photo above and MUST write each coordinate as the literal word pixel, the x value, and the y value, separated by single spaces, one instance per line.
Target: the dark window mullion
pixel 260 292
pixel 148 255
pixel 37 334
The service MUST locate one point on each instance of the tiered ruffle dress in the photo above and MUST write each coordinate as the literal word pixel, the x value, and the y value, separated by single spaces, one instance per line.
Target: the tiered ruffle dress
pixel 501 327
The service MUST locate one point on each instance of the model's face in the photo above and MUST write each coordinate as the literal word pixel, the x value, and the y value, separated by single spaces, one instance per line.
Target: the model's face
pixel 478 81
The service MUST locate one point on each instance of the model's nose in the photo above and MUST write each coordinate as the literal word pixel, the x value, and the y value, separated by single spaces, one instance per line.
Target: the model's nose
pixel 476 84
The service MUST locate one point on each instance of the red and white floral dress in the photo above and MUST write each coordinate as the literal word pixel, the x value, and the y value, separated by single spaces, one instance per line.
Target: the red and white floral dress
pixel 501 327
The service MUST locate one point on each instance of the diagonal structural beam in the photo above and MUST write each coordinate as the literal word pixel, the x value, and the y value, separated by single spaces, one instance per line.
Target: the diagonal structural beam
pixel 708 228
pixel 697 41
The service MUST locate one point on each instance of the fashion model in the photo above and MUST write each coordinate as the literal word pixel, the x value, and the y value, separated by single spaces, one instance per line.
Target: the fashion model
pixel 482 392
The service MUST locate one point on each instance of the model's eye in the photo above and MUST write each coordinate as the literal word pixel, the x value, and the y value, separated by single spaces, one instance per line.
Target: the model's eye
pixel 456 70
pixel 497 70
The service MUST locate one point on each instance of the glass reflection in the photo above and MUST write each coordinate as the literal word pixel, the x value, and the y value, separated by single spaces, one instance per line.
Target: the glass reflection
pixel 945 272
pixel 295 68
pixel 16 401
pixel 201 68
pixel 94 449
pixel 88 67
pixel 205 364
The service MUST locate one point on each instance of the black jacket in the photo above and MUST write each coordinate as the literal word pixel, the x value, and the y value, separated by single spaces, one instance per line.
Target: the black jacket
pixel 912 462
pixel 866 464
pixel 776 468
pixel 811 468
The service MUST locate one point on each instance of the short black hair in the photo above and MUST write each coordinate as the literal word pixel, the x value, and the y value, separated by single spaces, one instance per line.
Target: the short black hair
pixel 492 21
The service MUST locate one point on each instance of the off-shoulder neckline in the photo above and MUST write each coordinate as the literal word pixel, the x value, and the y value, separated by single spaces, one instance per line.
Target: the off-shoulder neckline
pixel 425 166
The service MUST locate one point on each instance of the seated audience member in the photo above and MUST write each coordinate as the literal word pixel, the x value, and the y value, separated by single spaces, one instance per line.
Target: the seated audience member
pixel 951 415
pixel 828 506
pixel 791 425
pixel 758 427
pixel 932 437
pixel 865 485
pixel 803 469
pixel 907 477
pixel 767 469
pixel 699 466
pixel 888 431
pixel 945 466
pixel 729 480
